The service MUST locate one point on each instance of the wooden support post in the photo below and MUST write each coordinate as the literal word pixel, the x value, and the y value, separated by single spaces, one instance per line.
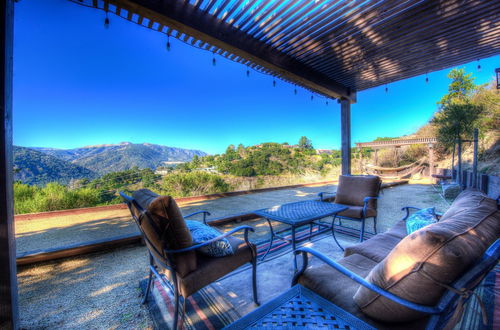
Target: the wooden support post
pixel 376 157
pixel 474 164
pixel 459 167
pixel 8 279
pixel 345 121
pixel 431 161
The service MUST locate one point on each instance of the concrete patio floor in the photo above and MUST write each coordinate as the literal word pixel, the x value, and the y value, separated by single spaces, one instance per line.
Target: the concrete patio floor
pixel 101 290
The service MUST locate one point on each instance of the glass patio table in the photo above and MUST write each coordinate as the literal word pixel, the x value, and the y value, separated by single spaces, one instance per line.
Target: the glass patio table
pixel 295 215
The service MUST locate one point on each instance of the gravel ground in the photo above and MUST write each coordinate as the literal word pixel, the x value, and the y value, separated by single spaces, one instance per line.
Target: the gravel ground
pixel 100 291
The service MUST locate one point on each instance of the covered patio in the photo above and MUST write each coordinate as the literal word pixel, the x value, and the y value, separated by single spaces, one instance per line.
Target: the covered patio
pixel 335 49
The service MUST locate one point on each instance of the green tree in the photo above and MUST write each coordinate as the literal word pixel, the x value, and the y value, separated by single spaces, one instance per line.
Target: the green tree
pixel 305 143
pixel 457 116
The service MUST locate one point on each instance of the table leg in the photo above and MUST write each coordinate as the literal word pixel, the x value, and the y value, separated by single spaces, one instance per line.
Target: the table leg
pixel 293 249
pixel 333 233
pixel 270 241
pixel 310 230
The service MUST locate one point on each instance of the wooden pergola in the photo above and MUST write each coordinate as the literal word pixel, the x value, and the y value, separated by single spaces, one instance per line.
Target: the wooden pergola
pixel 335 48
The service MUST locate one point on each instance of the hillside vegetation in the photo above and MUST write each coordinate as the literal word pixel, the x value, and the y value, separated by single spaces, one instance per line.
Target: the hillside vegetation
pixel 43 165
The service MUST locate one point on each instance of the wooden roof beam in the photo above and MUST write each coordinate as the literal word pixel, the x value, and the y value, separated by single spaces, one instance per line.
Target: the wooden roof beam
pixel 200 25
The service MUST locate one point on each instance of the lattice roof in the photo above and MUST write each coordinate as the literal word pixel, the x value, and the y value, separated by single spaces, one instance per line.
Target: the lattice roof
pixel 332 47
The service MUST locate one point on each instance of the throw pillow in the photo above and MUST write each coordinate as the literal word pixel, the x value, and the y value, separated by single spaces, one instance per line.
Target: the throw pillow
pixel 420 219
pixel 202 233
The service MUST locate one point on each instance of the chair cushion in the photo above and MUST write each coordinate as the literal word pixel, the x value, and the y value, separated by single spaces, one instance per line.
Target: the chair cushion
pixel 398 230
pixel 375 248
pixel 166 228
pixel 357 211
pixel 202 233
pixel 438 253
pixel 211 269
pixel 420 219
pixel 352 190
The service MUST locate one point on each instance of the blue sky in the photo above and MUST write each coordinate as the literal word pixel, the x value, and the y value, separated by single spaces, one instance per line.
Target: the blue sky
pixel 77 83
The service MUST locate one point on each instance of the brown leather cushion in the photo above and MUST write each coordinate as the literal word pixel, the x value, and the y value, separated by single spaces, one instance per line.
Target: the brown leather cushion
pixel 210 269
pixel 356 212
pixel 375 248
pixel 339 289
pixel 466 199
pixel 165 228
pixel 352 190
pixel 440 252
pixel 398 230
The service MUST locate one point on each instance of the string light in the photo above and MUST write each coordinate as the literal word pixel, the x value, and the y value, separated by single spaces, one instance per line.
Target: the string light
pixel 386 88
pixel 426 78
pixel 214 61
pixel 106 21
pixel 326 102
pixel 478 66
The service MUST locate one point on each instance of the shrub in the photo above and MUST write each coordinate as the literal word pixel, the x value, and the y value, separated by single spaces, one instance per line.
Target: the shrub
pixel 193 183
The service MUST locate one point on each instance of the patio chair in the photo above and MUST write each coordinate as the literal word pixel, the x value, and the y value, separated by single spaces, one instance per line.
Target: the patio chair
pixel 172 252
pixel 360 194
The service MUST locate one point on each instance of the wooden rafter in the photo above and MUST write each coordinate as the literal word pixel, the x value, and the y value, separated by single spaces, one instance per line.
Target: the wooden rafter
pixel 335 47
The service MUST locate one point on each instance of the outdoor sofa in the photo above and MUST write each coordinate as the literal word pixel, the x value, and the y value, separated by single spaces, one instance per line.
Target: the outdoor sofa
pixel 416 281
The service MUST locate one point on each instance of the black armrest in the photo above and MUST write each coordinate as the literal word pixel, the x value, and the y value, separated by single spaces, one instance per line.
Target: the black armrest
pixel 321 195
pixel 229 233
pixel 346 272
pixel 407 209
pixel 205 214
pixel 365 204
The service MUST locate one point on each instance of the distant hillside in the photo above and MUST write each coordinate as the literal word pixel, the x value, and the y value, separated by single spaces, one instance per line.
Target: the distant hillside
pixel 108 158
pixel 35 167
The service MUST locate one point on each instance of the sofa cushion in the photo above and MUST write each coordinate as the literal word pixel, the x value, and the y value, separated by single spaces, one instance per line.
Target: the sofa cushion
pixel 398 230
pixel 420 219
pixel 202 233
pixel 352 190
pixel 439 253
pixel 331 285
pixel 467 199
pixel 339 289
pixel 375 248
pixel 165 228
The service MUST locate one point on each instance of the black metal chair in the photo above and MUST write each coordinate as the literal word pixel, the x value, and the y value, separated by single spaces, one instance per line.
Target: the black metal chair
pixel 186 271
pixel 359 193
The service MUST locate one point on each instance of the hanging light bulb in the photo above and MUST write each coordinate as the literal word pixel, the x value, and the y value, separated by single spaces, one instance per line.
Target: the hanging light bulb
pixel 295 90
pixel 168 43
pixel 478 66
pixel 106 21
pixel 274 82
pixel 326 102
pixel 312 97
pixel 214 62
pixel 426 79
pixel 248 72
pixel 386 89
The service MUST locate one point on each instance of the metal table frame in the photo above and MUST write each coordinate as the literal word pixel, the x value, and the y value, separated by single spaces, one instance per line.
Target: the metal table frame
pixel 295 215
pixel 298 296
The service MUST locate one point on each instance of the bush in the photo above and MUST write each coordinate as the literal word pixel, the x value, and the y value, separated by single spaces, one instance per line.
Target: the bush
pixel 52 197
pixel 193 183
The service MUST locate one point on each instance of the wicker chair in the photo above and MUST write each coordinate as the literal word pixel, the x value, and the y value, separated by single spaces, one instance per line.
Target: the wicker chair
pixel 360 194
pixel 172 252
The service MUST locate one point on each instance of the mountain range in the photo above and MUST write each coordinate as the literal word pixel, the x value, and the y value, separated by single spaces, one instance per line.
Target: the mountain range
pixel 42 165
